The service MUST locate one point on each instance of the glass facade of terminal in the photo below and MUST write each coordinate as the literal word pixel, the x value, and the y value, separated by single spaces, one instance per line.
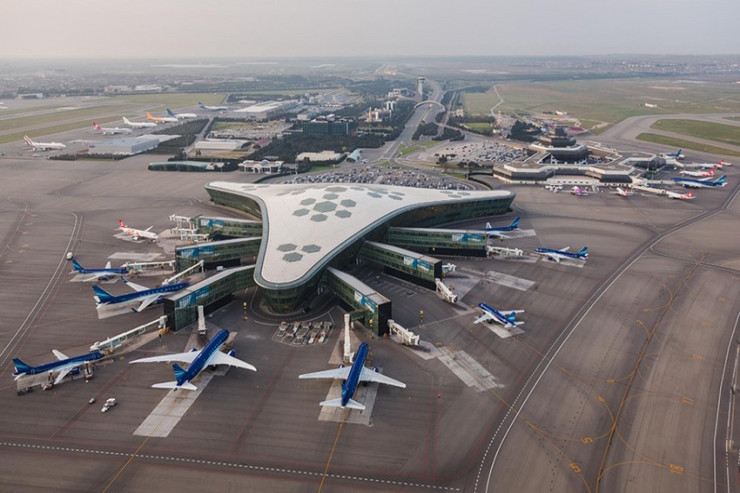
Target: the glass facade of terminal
pixel 442 241
pixel 229 227
pixel 226 252
pixel 182 308
pixel 421 269
pixel 355 293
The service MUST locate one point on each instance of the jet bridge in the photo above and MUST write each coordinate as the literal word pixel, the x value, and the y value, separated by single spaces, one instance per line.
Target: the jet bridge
pixel 439 241
pixel 357 294
pixel 226 253
pixel 411 266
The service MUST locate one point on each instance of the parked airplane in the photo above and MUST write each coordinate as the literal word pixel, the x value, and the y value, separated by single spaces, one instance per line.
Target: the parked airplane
pixel 623 193
pixel 210 355
pixel 717 165
pixel 138 124
pixel 111 130
pixel 495 231
pixel 147 296
pixel 164 119
pixel 43 146
pixel 352 376
pixel 98 273
pixel 181 116
pixel 138 233
pixel 674 195
pixel 63 365
pixel 212 108
pixel 673 155
pixel 698 174
pixel 694 183
pixel 507 318
pixel 563 253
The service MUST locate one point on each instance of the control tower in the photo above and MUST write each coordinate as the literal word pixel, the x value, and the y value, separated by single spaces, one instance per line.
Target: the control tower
pixel 420 88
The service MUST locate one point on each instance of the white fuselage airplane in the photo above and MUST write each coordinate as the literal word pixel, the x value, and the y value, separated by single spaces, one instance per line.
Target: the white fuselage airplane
pixel 623 193
pixel 507 318
pixel 698 174
pixel 563 253
pixel 212 108
pixel 138 233
pixel 138 124
pixel 43 146
pixel 678 196
pixel 181 116
pixel 210 355
pixel 161 119
pixel 111 130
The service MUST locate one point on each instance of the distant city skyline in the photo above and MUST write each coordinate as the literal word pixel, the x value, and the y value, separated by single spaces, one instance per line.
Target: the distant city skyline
pixel 45 29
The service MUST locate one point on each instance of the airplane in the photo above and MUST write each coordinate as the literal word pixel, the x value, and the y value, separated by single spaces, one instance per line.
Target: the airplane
pixel 717 165
pixel 198 360
pixel 181 116
pixel 673 155
pixel 138 124
pixel 694 183
pixel 352 376
pixel 212 108
pixel 138 233
pixel 563 253
pixel 43 146
pixel 98 273
pixel 157 119
pixel 506 318
pixel 494 231
pixel 111 130
pixel 147 296
pixel 63 365
pixel 678 196
pixel 623 193
pixel 698 174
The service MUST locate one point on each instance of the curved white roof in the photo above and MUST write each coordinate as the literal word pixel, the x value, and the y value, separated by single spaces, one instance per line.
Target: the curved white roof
pixel 306 225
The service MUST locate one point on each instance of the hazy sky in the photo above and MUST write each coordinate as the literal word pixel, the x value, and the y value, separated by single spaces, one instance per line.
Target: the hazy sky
pixel 272 28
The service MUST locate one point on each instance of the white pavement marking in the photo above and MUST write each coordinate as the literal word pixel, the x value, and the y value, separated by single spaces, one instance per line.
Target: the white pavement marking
pixel 509 281
pixel 469 370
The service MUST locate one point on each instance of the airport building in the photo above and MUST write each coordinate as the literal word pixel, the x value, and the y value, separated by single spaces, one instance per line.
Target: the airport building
pixel 125 146
pixel 308 228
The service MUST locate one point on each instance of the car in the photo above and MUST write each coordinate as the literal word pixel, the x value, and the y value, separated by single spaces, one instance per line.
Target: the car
pixel 111 402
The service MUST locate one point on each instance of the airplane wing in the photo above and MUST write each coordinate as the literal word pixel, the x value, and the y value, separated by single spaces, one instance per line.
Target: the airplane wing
pixel 337 373
pixel 150 227
pixel 108 265
pixel 95 276
pixel 484 318
pixel 146 302
pixel 62 373
pixel 221 358
pixel 168 358
pixel 369 375
pixel 506 313
pixel 134 286
pixel 60 355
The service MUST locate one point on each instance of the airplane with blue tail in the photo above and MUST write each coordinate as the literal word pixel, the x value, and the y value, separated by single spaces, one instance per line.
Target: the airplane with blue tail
pixel 98 273
pixel 210 355
pixel 352 377
pixel 63 365
pixel 563 253
pixel 181 116
pixel 673 155
pixel 147 296
pixel 703 183
pixel 498 230
pixel 507 318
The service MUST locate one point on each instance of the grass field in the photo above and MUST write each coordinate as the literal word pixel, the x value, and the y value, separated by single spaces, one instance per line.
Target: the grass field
pixel 50 118
pixel 18 111
pixel 728 134
pixel 478 127
pixel 609 101
pixel 686 144
pixel 174 100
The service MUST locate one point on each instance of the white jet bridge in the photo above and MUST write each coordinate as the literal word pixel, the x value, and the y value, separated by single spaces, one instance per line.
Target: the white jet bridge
pixel 444 292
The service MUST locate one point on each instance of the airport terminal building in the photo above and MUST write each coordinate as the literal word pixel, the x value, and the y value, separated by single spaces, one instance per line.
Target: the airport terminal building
pixel 310 232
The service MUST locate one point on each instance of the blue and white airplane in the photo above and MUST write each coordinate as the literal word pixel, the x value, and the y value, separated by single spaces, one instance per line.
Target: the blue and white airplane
pixel 63 365
pixel 673 155
pixel 703 183
pixel 352 376
pixel 210 355
pixel 147 296
pixel 506 318
pixel 563 253
pixel 98 273
pixel 212 108
pixel 181 116
pixel 497 231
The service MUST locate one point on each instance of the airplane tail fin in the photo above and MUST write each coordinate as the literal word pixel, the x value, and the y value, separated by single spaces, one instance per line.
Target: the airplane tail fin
pixel 173 385
pixel 20 366
pixel 28 140
pixel 722 179
pixel 689 195
pixel 149 116
pixel 96 126
pixel 170 113
pixel 511 317
pixel 76 265
pixel 515 223
pixel 488 225
pixel 125 120
pixel 179 372
pixel 583 252
pixel 120 223
pixel 352 404
pixel 102 295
